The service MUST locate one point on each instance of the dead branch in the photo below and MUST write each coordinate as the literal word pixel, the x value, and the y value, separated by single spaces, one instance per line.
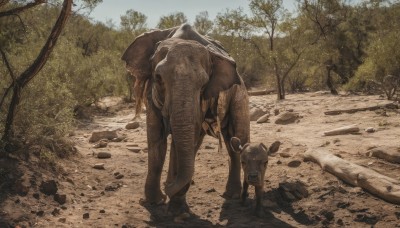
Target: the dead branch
pixel 21 8
pixel 343 130
pixel 371 108
pixel 390 154
pixel 373 182
pixel 261 92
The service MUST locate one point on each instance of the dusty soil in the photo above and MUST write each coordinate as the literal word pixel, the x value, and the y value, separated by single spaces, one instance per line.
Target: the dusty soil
pixel 102 198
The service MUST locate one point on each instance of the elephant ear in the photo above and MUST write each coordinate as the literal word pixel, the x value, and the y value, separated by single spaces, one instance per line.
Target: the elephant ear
pixel 223 72
pixel 137 58
pixel 137 55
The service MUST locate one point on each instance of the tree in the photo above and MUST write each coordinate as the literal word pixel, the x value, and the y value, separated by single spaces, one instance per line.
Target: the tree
pixel 202 23
pixel 172 20
pixel 133 21
pixel 18 83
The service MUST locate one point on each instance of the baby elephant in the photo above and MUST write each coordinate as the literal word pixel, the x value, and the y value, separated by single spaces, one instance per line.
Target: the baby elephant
pixel 254 158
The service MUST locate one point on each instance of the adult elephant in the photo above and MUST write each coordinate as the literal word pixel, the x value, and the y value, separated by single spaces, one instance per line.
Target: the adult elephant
pixel 191 88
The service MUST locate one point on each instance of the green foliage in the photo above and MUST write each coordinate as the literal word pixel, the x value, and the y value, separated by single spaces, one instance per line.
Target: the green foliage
pixel 133 21
pixel 172 20
pixel 202 23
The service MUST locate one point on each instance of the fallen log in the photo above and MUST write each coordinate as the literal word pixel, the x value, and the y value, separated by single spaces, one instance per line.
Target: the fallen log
pixel 371 108
pixel 343 130
pixel 371 181
pixel 260 92
pixel 390 154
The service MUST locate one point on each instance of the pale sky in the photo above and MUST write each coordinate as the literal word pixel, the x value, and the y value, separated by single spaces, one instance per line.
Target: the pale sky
pixel 154 9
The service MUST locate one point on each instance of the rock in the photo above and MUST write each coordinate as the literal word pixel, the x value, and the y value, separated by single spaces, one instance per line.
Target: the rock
pixel 134 149
pixel 290 110
pixel 370 130
pixel 36 195
pixel 294 163
pixel 366 218
pixel 55 212
pixel 208 147
pixel 103 143
pixel 118 139
pixel 40 213
pixel 287 118
pixel 102 211
pixel 276 112
pixel 21 187
pixel 62 220
pixel 263 119
pixel 343 130
pixel 285 155
pixel 85 216
pixel 96 136
pixel 211 190
pixel 98 166
pixel 103 155
pixel 48 187
pixel 60 198
pixel 132 125
pixel 256 113
pixel 119 176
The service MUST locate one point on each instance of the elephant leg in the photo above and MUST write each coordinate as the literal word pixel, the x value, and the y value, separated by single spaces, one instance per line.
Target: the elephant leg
pixel 233 187
pixel 259 198
pixel 245 193
pixel 157 146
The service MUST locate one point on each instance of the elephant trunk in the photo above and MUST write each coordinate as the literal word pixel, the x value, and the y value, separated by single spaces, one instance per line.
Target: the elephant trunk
pixel 183 127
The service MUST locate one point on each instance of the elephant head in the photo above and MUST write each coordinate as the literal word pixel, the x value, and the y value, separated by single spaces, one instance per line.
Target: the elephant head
pixel 181 69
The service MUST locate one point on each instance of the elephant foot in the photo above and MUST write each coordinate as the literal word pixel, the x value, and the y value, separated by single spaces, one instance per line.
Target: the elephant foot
pixel 232 194
pixel 159 200
pixel 260 213
pixel 178 207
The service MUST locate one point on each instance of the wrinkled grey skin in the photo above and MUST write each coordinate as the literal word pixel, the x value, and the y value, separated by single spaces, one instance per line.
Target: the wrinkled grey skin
pixel 186 78
pixel 254 159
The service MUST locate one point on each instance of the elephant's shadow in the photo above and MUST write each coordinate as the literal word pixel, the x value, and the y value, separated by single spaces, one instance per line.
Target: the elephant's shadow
pixel 159 217
pixel 238 215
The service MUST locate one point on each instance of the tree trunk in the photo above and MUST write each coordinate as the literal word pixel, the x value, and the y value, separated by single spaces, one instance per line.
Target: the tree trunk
pixel 329 81
pixel 35 68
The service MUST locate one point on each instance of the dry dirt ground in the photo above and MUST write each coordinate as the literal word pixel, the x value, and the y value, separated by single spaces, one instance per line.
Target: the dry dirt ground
pixel 102 198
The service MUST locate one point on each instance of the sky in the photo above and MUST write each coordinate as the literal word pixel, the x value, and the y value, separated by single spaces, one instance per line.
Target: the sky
pixel 154 9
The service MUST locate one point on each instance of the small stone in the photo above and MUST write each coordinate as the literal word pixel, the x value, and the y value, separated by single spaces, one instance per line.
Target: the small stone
pixel 62 220
pixel 40 213
pixel 294 163
pixel 60 198
pixel 211 190
pixel 287 118
pixel 279 162
pixel 85 216
pixel 256 113
pixel 96 136
pixel 102 211
pixel 134 149
pixel 276 112
pixel 119 176
pixel 36 195
pixel 263 119
pixel 284 155
pixel 48 187
pixel 55 212
pixel 208 147
pixel 370 130
pixel 98 166
pixel 340 222
pixel 103 155
pixel 103 143
pixel 132 125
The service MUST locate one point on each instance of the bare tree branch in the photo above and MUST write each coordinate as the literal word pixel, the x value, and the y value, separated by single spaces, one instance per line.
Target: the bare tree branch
pixel 20 9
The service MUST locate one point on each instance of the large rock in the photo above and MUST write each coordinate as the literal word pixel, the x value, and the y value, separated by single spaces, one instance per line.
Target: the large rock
pixel 98 135
pixel 287 118
pixel 256 113
pixel 133 125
